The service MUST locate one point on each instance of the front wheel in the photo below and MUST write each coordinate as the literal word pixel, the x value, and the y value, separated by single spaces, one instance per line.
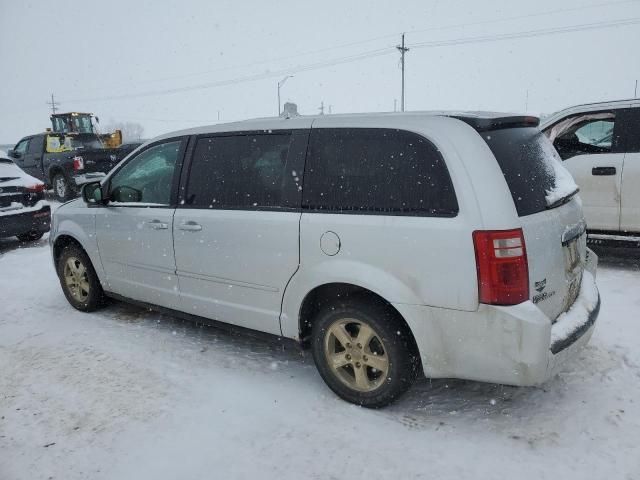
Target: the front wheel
pixel 364 352
pixel 79 280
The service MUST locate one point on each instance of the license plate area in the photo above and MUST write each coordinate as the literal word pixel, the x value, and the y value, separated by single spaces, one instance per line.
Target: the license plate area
pixel 574 267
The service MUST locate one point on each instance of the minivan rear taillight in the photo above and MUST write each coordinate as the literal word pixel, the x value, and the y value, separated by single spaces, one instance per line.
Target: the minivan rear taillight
pixel 501 260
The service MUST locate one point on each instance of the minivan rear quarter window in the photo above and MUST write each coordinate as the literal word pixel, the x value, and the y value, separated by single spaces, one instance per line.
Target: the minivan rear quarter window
pixel 524 155
pixel 384 171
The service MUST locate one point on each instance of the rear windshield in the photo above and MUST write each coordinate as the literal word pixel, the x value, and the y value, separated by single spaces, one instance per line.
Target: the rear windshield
pixel 531 167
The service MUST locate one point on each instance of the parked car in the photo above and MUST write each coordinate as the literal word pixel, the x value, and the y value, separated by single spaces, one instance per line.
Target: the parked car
pixel 600 145
pixel 23 211
pixel 390 244
pixel 66 168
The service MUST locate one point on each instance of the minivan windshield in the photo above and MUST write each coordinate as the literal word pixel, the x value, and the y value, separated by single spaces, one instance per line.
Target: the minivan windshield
pixel 532 169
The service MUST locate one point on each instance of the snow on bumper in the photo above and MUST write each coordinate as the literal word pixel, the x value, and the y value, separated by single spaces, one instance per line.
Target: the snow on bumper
pixel 515 345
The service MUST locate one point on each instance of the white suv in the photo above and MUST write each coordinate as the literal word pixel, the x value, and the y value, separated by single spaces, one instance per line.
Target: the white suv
pixel 600 146
pixel 451 244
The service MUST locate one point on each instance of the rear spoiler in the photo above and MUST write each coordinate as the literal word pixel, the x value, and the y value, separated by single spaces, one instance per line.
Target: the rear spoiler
pixel 483 124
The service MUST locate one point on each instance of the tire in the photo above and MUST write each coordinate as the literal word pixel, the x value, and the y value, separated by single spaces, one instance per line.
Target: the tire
pixel 30 236
pixel 355 378
pixel 62 188
pixel 80 285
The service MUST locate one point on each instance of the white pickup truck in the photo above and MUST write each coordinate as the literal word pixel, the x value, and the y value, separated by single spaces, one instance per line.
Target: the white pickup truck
pixel 599 144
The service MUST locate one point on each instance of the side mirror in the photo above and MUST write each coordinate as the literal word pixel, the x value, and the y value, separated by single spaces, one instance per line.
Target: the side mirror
pixel 92 193
pixel 13 154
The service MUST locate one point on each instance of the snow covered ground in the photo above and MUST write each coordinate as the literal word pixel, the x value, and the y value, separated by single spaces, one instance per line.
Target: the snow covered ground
pixel 125 393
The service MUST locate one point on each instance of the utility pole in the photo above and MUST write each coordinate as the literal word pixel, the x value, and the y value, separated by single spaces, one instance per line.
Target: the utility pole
pixel 635 92
pixel 402 50
pixel 280 84
pixel 53 104
pixel 321 108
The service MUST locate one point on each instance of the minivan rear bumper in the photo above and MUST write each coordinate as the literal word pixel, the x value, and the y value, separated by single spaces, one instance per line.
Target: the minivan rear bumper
pixel 515 345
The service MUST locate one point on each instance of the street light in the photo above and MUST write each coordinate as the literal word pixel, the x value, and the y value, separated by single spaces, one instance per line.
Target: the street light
pixel 280 84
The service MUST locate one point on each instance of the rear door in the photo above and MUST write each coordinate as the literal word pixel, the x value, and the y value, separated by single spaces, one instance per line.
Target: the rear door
pixel 589 144
pixel 236 235
pixel 630 203
pixel 551 217
pixel 134 229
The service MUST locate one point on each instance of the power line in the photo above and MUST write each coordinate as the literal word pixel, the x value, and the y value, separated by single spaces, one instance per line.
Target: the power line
pixel 527 34
pixel 247 78
pixel 369 40
pixel 367 55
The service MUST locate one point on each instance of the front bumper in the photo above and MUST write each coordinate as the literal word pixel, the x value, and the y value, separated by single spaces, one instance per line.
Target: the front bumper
pixel 82 178
pixel 29 219
pixel 515 345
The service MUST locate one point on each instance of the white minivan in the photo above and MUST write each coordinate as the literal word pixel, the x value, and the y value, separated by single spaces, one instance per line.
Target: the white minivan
pixel 391 245
pixel 599 144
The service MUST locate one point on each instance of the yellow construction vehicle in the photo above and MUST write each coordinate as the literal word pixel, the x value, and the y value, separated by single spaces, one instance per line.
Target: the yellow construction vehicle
pixel 82 124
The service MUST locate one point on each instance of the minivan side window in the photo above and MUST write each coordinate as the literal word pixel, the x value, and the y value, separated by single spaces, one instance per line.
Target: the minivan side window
pixel 238 171
pixel 584 134
pixel 147 177
pixel 373 170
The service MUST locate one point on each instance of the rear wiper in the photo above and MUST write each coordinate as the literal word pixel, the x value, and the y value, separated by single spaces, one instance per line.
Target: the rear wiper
pixel 8 179
pixel 563 200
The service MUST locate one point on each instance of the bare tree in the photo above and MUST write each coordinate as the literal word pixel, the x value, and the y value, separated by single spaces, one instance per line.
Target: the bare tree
pixel 131 131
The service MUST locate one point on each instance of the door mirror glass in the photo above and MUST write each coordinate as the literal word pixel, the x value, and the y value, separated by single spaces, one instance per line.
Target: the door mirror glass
pixel 92 193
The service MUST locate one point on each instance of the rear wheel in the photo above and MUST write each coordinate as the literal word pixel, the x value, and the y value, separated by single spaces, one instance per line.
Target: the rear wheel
pixel 30 236
pixel 79 280
pixel 62 188
pixel 364 353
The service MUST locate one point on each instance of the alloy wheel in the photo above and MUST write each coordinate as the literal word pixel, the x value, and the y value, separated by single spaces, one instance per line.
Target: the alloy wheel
pixel 76 279
pixel 356 355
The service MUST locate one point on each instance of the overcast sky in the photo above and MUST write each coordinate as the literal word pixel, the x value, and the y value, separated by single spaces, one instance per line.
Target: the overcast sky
pixel 128 60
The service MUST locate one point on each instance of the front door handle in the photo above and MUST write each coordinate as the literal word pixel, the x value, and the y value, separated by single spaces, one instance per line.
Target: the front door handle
pixel 603 171
pixel 190 226
pixel 158 225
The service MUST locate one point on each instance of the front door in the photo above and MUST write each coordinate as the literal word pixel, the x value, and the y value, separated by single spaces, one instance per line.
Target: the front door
pixel 32 158
pixel 236 236
pixel 20 152
pixel 135 229
pixel 590 147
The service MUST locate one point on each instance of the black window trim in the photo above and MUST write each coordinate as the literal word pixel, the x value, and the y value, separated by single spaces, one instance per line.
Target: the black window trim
pixel 173 197
pixel 618 140
pixel 384 212
pixel 299 139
